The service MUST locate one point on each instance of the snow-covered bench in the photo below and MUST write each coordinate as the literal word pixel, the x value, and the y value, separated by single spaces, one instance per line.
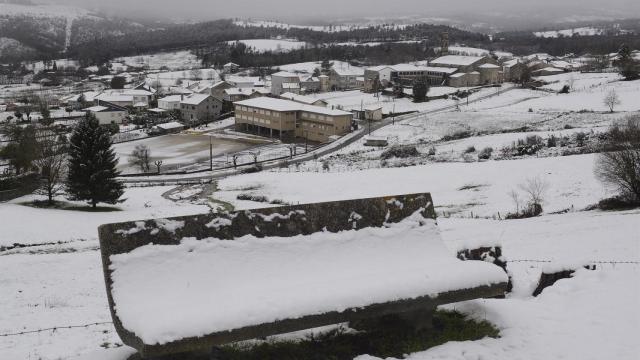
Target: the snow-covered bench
pixel 191 283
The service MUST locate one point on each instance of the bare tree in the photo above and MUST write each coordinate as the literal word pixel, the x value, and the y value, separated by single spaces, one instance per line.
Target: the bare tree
pixel 158 165
pixel 618 165
pixel 141 157
pixel 535 189
pixel 51 162
pixel 515 197
pixel 612 99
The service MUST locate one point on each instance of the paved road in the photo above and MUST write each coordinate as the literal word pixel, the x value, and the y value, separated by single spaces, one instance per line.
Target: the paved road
pixel 322 151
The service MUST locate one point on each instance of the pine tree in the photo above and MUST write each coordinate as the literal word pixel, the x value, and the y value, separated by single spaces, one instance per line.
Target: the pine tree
pixel 627 65
pixel 92 165
pixel 420 90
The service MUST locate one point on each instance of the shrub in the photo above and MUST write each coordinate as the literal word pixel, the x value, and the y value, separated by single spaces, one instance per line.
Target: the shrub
pixel 618 166
pixel 552 141
pixel 457 135
pixel 400 152
pixel 617 203
pixel 470 149
pixel 249 197
pixel 432 151
pixel 485 153
pixel 581 137
pixel 565 90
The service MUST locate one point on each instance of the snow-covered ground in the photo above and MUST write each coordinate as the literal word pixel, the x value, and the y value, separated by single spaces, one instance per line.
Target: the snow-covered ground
pixel 572 184
pixel 176 60
pixel 262 45
pixel 593 315
pixel 582 31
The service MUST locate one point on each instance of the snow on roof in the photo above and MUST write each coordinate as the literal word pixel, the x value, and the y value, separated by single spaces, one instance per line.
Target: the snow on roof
pixel 140 104
pixel 446 70
pixel 114 98
pixel 489 66
pixel 157 110
pixel 288 105
pixel 283 289
pixel 379 68
pixel 550 69
pixel 195 99
pixel 96 108
pixel 171 98
pixel 350 71
pixel 170 125
pixel 299 98
pixel 511 62
pixel 455 76
pixel 457 60
pixel 231 64
pixel 373 107
pixel 284 74
pixel 243 79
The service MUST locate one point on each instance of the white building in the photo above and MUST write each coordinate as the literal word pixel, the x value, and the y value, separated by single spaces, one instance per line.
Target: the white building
pixel 108 113
pixel 171 102
pixel 283 81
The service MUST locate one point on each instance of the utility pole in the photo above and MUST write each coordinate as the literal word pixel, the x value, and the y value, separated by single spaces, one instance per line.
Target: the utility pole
pixel 210 154
pixel 393 119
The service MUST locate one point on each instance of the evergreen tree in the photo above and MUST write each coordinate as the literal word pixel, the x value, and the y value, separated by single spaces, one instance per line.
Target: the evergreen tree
pixel 420 89
pixel 92 165
pixel 627 65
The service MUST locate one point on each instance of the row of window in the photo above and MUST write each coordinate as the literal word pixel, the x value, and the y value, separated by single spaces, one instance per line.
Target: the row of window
pixel 251 118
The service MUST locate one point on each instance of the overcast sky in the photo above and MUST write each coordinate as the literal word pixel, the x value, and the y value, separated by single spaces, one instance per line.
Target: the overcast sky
pixel 336 9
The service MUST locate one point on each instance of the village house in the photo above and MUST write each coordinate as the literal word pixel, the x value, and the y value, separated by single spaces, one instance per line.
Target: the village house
pixel 238 94
pixel 513 70
pixel 404 75
pixel 200 108
pixel 107 113
pixel 230 67
pixel 479 70
pixel 171 102
pixel 310 84
pixel 346 79
pixel 283 81
pixel 286 119
pixel 245 81
pixel 125 97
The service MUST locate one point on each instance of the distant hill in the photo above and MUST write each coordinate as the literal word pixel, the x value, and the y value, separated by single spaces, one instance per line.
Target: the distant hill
pixel 40 31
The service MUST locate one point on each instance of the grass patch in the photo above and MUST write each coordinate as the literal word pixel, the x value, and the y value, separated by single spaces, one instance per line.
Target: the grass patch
pixel 63 205
pixel 393 339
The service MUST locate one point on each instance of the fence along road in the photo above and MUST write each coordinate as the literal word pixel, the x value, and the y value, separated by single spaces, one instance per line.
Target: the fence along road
pixel 311 155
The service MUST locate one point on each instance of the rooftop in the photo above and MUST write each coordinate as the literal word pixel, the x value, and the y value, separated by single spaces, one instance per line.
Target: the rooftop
pixel 284 74
pixel 195 99
pixel 288 105
pixel 458 60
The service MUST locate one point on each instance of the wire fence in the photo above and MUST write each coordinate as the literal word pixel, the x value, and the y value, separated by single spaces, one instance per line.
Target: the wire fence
pixel 56 328
pixel 26 332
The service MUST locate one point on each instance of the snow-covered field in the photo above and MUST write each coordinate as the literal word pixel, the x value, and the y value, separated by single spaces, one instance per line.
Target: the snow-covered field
pixel 582 31
pixel 176 60
pixel 262 45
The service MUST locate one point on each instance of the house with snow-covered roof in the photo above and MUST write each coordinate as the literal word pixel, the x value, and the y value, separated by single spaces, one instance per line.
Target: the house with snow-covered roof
pixel 346 78
pixel 284 81
pixel 286 119
pixel 230 67
pixel 303 99
pixel 200 108
pixel 107 113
